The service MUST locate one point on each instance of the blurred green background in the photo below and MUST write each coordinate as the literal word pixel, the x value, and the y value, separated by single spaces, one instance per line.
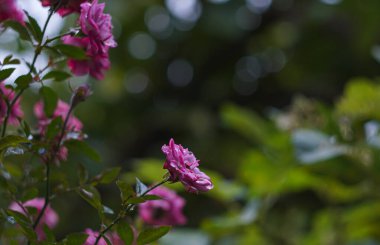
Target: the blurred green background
pixel 253 88
pixel 279 99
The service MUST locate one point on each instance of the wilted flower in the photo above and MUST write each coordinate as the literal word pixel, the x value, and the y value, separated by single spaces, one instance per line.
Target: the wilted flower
pixel 49 218
pixel 16 112
pixel 183 166
pixel 9 11
pixel 166 211
pixel 65 6
pixel 62 109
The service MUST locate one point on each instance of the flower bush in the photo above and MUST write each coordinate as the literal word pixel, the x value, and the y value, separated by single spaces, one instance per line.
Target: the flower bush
pixel 29 217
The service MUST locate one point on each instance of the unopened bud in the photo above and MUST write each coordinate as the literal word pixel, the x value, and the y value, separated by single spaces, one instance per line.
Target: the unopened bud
pixel 80 94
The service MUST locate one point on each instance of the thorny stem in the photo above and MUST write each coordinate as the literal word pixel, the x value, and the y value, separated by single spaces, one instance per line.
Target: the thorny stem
pixel 123 212
pixel 37 52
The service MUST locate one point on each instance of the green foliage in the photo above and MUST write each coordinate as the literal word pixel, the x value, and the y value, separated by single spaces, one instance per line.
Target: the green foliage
pixel 75 239
pixel 9 61
pixel 361 100
pixel 5 73
pixel 83 148
pixel 34 28
pixel 107 176
pixel 50 99
pixel 71 51
pixel 24 81
pixel 152 234
pixel 19 28
pixel 126 191
pixel 56 75
pixel 12 141
pixel 125 232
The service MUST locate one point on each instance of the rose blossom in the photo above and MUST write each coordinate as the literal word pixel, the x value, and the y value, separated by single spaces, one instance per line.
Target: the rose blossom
pixel 50 217
pixel 166 211
pixel 66 6
pixel 96 25
pixel 97 61
pixel 16 111
pixel 97 28
pixel 73 123
pixel 9 11
pixel 183 166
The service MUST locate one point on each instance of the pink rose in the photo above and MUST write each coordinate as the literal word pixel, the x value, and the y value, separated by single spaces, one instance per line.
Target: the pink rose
pixel 96 25
pixel 166 211
pixel 97 28
pixel 50 217
pixel 9 11
pixel 183 166
pixel 66 6
pixel 97 62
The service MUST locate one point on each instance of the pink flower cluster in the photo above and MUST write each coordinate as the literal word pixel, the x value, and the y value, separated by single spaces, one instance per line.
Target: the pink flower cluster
pixel 62 109
pixel 166 211
pixel 49 218
pixel 97 28
pixel 183 166
pixel 16 112
pixel 9 11
pixel 65 6
pixel 92 235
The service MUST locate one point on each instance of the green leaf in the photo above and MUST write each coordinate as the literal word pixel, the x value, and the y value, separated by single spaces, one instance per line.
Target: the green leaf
pixel 91 195
pixel 82 174
pixel 140 187
pixel 54 128
pixel 12 141
pixel 24 223
pixel 71 51
pixel 82 147
pixel 23 81
pixel 26 128
pixel 136 200
pixel 19 28
pixel 152 234
pixel 34 28
pixel 29 194
pixel 151 197
pixel 361 100
pixel 48 234
pixel 5 73
pixel 8 60
pixel 75 239
pixel 107 176
pixel 50 99
pixel 126 191
pixel 141 199
pixel 57 75
pixel 125 232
